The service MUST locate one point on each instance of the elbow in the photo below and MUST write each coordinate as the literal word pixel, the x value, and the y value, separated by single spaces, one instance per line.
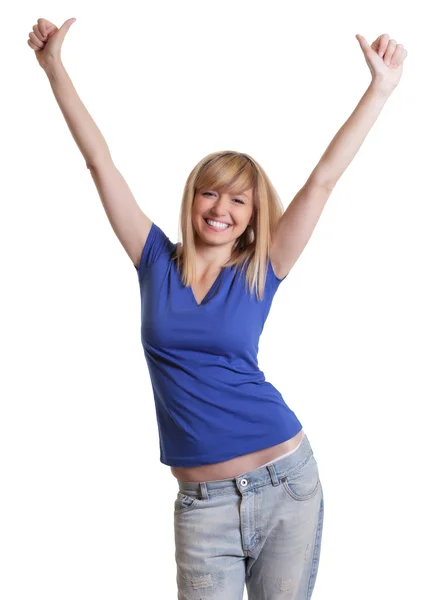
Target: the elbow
pixel 323 183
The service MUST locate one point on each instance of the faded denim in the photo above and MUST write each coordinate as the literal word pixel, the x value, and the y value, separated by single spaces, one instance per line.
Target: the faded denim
pixel 262 529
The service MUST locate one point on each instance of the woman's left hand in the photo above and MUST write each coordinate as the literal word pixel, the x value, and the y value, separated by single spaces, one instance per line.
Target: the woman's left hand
pixel 384 58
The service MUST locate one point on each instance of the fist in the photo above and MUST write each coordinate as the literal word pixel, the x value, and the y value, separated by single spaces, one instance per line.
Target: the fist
pixel 46 40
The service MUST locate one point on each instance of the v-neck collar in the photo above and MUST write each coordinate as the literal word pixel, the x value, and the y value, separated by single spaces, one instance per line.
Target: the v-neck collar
pixel 203 301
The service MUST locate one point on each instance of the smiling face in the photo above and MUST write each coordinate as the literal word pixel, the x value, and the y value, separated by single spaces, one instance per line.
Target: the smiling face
pixel 222 208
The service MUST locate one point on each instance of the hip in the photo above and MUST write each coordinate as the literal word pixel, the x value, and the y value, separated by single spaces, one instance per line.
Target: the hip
pixel 238 465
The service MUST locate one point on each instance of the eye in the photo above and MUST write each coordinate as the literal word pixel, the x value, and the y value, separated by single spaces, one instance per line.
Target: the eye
pixel 212 194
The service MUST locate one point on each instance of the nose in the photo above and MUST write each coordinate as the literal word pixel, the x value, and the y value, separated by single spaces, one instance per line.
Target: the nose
pixel 220 205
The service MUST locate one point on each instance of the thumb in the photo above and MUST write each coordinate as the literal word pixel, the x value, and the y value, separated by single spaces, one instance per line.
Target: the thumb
pixel 65 27
pixel 363 43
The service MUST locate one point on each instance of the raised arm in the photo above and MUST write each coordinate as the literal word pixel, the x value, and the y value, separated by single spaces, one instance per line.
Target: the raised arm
pixel 127 219
pixel 385 61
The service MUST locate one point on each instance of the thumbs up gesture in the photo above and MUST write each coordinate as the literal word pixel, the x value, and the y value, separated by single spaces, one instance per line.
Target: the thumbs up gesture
pixel 384 58
pixel 46 40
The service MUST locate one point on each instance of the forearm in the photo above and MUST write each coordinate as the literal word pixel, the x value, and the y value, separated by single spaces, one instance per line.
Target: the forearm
pixel 346 143
pixel 84 130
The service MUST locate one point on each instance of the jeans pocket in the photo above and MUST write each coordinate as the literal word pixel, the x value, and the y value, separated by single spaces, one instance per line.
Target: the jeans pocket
pixel 184 503
pixel 302 483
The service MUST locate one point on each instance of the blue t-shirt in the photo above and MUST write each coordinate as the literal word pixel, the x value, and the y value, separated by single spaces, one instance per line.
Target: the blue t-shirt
pixel 212 400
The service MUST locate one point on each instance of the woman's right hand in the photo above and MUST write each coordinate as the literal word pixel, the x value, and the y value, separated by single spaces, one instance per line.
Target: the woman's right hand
pixel 46 40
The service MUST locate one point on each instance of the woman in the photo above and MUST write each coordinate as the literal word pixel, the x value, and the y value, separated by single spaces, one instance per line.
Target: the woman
pixel 250 503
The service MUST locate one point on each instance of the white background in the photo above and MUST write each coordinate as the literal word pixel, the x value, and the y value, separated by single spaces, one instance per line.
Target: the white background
pixel 86 506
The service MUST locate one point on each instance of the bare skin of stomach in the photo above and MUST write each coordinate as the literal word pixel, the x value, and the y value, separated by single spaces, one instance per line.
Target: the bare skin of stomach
pixel 234 467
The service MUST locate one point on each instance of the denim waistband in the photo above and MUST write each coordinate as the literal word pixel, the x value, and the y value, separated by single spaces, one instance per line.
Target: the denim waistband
pixel 272 473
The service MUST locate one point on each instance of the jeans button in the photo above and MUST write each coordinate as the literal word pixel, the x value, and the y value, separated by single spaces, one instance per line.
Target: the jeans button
pixel 244 482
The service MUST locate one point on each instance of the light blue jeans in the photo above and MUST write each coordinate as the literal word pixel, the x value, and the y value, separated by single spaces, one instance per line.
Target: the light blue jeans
pixel 261 529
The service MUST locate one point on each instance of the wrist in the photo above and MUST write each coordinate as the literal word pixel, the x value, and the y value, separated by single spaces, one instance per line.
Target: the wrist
pixel 52 65
pixel 379 86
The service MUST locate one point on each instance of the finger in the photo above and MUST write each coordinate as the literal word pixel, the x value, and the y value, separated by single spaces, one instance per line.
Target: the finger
pixel 32 46
pixel 389 52
pixel 398 55
pixel 380 44
pixel 44 26
pixel 38 33
pixel 36 41
pixel 383 44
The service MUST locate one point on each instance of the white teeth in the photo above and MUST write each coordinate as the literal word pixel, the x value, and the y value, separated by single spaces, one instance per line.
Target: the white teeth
pixel 216 224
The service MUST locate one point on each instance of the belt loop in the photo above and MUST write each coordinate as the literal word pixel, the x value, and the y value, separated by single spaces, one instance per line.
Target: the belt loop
pixel 273 475
pixel 204 491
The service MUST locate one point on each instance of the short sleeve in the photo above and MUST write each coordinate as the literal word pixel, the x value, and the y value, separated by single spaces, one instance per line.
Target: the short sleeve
pixel 273 276
pixel 157 245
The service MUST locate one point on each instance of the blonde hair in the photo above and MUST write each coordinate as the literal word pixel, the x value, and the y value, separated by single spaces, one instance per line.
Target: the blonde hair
pixel 233 172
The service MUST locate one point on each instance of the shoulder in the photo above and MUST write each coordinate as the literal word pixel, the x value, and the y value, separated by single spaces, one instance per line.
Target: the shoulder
pixel 157 246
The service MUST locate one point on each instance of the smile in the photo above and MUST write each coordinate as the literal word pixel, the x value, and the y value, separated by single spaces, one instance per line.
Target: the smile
pixel 216 225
